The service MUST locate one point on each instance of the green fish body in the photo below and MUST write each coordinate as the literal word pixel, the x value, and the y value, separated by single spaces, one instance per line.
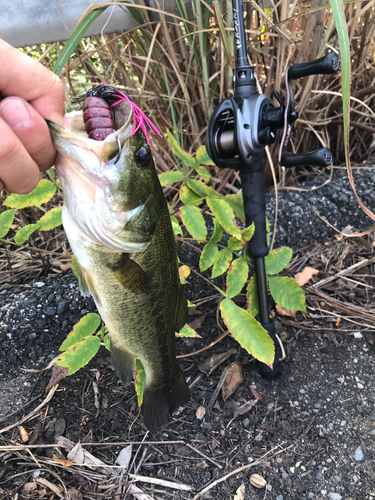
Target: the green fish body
pixel 118 225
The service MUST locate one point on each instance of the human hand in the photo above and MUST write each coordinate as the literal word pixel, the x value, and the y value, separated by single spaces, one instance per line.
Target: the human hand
pixel 29 93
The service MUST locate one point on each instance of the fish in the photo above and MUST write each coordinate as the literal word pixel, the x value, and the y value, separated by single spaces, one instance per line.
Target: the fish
pixel 118 225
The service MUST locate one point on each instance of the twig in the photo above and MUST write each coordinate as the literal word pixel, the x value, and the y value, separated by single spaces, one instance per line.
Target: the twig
pixel 160 482
pixel 206 347
pixel 33 413
pixel 283 355
pixel 224 478
pixel 217 390
pixel 204 455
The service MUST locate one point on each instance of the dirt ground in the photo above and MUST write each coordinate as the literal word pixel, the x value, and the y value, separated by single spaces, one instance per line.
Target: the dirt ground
pixel 309 434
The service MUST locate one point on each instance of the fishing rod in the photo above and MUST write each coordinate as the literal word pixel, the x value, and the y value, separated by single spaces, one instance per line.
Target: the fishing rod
pixel 239 130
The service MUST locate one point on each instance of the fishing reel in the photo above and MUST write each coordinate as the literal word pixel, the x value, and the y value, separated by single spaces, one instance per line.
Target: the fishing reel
pixel 243 125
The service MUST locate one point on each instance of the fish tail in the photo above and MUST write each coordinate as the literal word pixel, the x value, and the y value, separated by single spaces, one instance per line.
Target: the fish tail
pixel 161 401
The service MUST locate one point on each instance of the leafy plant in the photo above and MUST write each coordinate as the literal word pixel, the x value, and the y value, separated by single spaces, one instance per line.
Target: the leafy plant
pixel 42 194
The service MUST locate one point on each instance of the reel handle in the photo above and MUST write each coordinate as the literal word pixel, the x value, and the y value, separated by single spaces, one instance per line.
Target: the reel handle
pixel 319 158
pixel 325 65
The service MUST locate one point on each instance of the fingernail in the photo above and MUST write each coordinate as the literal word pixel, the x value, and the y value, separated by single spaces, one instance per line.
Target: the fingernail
pixel 15 113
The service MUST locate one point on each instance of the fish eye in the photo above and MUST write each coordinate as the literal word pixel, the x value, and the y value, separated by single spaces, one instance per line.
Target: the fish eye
pixel 143 157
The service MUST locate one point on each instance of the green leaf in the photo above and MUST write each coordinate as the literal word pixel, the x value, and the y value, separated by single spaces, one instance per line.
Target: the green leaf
pixel 194 222
pixel 170 177
pixel 184 272
pixel 237 277
pixel 225 216
pixel 78 355
pixel 74 266
pixel 140 381
pixel 252 296
pixel 22 235
pixel 176 228
pixel 223 260
pixel 278 259
pixel 248 232
pixel 74 40
pixel 204 173
pixel 236 202
pixel 202 156
pixel 178 151
pixel 187 331
pixel 190 197
pixel 217 234
pixel 6 220
pixel 202 189
pixel 39 195
pixel 248 332
pixel 107 342
pixel 84 328
pixel 208 256
pixel 287 293
pixel 50 219
pixel 234 244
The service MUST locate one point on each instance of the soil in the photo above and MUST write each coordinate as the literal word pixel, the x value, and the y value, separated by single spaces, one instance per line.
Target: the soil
pixel 310 434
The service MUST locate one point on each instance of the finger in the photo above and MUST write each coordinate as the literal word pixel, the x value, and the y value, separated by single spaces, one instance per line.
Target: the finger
pixel 19 173
pixel 30 128
pixel 22 76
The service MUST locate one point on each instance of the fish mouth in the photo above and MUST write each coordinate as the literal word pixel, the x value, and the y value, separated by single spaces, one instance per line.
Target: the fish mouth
pixel 89 172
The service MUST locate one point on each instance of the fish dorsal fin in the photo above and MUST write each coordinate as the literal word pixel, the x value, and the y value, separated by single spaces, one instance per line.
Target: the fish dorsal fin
pixel 182 310
pixel 130 275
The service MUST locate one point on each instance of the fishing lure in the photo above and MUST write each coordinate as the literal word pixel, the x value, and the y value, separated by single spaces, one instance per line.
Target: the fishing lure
pixel 99 113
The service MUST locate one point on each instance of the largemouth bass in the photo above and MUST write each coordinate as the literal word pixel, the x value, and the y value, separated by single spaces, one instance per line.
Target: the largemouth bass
pixel 118 226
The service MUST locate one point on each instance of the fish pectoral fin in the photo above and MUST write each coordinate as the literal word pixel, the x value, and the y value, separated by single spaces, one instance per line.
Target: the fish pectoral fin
pixel 130 274
pixel 123 362
pixel 182 310
pixel 86 284
pixel 159 402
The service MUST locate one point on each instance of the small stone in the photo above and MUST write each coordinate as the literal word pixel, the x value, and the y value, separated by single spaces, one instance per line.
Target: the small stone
pixel 246 422
pixel 50 311
pixel 317 405
pixel 359 456
pixel 268 487
pixel 62 307
pixel 310 495
pixel 357 335
pixel 39 284
pixel 337 478
pixel 334 496
pixel 360 386
pixel 60 426
pixel 32 336
pixel 258 437
pixel 279 497
pixel 302 391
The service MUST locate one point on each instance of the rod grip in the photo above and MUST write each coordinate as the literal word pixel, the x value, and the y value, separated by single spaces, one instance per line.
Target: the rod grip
pixel 325 65
pixel 319 158
pixel 254 198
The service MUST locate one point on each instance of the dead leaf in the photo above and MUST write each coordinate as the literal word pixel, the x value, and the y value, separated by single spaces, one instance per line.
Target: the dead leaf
pixel 200 412
pixel 245 407
pixel 285 312
pixel 257 395
pixel 24 434
pixel 58 374
pixel 29 487
pixel 64 266
pixel 240 493
pixel 49 485
pixel 138 493
pixel 341 379
pixel 124 457
pixel 211 363
pixel 258 481
pixel 305 275
pixel 62 461
pixel 73 494
pixel 338 322
pixel 197 322
pixel 76 454
pixel 233 379
pixel 66 254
